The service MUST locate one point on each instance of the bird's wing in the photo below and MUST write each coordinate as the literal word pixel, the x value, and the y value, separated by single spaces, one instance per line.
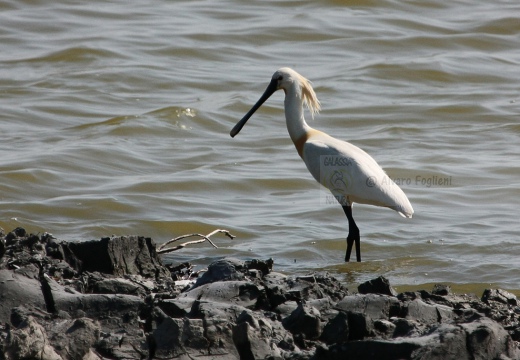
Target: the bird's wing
pixel 348 171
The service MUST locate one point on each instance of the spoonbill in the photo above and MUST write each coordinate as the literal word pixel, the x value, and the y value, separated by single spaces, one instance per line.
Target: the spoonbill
pixel 348 172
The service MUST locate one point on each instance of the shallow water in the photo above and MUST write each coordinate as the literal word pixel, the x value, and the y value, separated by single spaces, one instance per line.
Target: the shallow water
pixel 116 118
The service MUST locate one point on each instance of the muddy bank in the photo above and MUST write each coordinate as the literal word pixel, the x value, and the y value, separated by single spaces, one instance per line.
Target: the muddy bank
pixel 114 299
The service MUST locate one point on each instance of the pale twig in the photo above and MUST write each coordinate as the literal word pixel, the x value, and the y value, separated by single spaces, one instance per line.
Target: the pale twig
pixel 161 249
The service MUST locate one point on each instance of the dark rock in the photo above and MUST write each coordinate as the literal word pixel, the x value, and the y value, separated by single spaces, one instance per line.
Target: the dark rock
pixel 488 340
pixel 384 328
pixel 482 339
pixel 360 325
pixel 285 309
pixel 30 241
pixel 117 286
pixel 62 270
pixel 363 310
pixel 373 305
pixel 252 338
pixel 125 305
pixel 321 304
pixel 224 300
pixel 176 308
pixel 117 256
pixel 265 267
pixel 222 270
pixel 425 313
pixel 446 341
pixel 368 350
pixel 405 327
pixel 336 330
pixel 381 285
pixel 174 337
pixel 18 289
pixel 219 333
pixel 499 295
pixel 46 289
pixel 304 320
pixel 2 247
pixel 248 344
pixel 514 331
pixel 241 293
pixel 29 341
pixel 14 235
pixel 74 339
pixel 215 310
pixel 441 289
pixel 280 289
pixel 276 289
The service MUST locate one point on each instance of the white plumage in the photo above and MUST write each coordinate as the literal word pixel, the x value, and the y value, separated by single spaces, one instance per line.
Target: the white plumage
pixel 347 171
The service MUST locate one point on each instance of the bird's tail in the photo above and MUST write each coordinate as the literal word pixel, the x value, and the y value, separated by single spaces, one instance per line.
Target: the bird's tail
pixel 405 215
pixel 405 210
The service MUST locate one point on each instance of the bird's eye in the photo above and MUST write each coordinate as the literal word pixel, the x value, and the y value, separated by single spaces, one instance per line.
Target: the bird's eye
pixel 280 78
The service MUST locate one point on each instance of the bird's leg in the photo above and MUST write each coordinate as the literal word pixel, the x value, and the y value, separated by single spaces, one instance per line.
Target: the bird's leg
pixel 353 234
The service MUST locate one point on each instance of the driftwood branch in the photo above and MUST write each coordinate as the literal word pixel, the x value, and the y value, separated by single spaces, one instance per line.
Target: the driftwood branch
pixel 162 249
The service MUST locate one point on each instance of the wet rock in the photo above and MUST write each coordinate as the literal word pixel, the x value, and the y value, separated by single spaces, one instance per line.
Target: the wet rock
pixel 499 295
pixel 117 286
pixel 264 266
pixel 117 255
pixel 29 341
pixel 373 305
pixel 128 307
pixel 243 293
pixel 421 312
pixel 17 234
pixel 174 337
pixel 368 350
pixel 485 339
pixel 440 289
pixel 179 307
pixel 304 320
pixel 380 285
pixel 281 289
pixel 384 328
pixel 2 247
pixel 222 270
pixel 336 330
pixel 93 305
pixel 216 310
pixel 18 288
pixel 285 309
pixel 219 333
pixel 74 339
pixel 252 338
pixel 479 340
pixel 62 270
pixel 405 327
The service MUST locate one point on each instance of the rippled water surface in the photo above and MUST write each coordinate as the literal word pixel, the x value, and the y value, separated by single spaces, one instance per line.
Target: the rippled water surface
pixel 115 119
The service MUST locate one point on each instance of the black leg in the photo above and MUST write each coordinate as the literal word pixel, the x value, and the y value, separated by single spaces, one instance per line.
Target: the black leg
pixel 353 235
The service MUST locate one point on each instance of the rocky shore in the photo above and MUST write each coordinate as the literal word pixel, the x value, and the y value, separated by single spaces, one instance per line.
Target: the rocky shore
pixel 114 299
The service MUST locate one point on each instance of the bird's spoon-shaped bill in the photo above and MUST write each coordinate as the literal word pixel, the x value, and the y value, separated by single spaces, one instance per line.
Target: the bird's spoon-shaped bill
pixel 271 88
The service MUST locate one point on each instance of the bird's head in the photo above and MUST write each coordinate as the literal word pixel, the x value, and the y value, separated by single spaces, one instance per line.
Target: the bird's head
pixel 286 79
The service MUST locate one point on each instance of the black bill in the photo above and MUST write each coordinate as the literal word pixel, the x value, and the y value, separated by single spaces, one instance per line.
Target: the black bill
pixel 271 88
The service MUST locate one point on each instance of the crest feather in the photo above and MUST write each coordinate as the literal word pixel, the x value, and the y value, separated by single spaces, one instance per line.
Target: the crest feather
pixel 309 96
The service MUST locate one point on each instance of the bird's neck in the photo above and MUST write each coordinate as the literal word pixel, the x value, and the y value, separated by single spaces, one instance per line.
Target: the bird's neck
pixel 296 124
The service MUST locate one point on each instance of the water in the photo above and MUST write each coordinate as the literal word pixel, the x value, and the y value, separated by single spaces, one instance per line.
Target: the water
pixel 116 117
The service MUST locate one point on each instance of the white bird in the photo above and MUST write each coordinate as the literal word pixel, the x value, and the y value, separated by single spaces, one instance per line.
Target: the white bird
pixel 348 172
